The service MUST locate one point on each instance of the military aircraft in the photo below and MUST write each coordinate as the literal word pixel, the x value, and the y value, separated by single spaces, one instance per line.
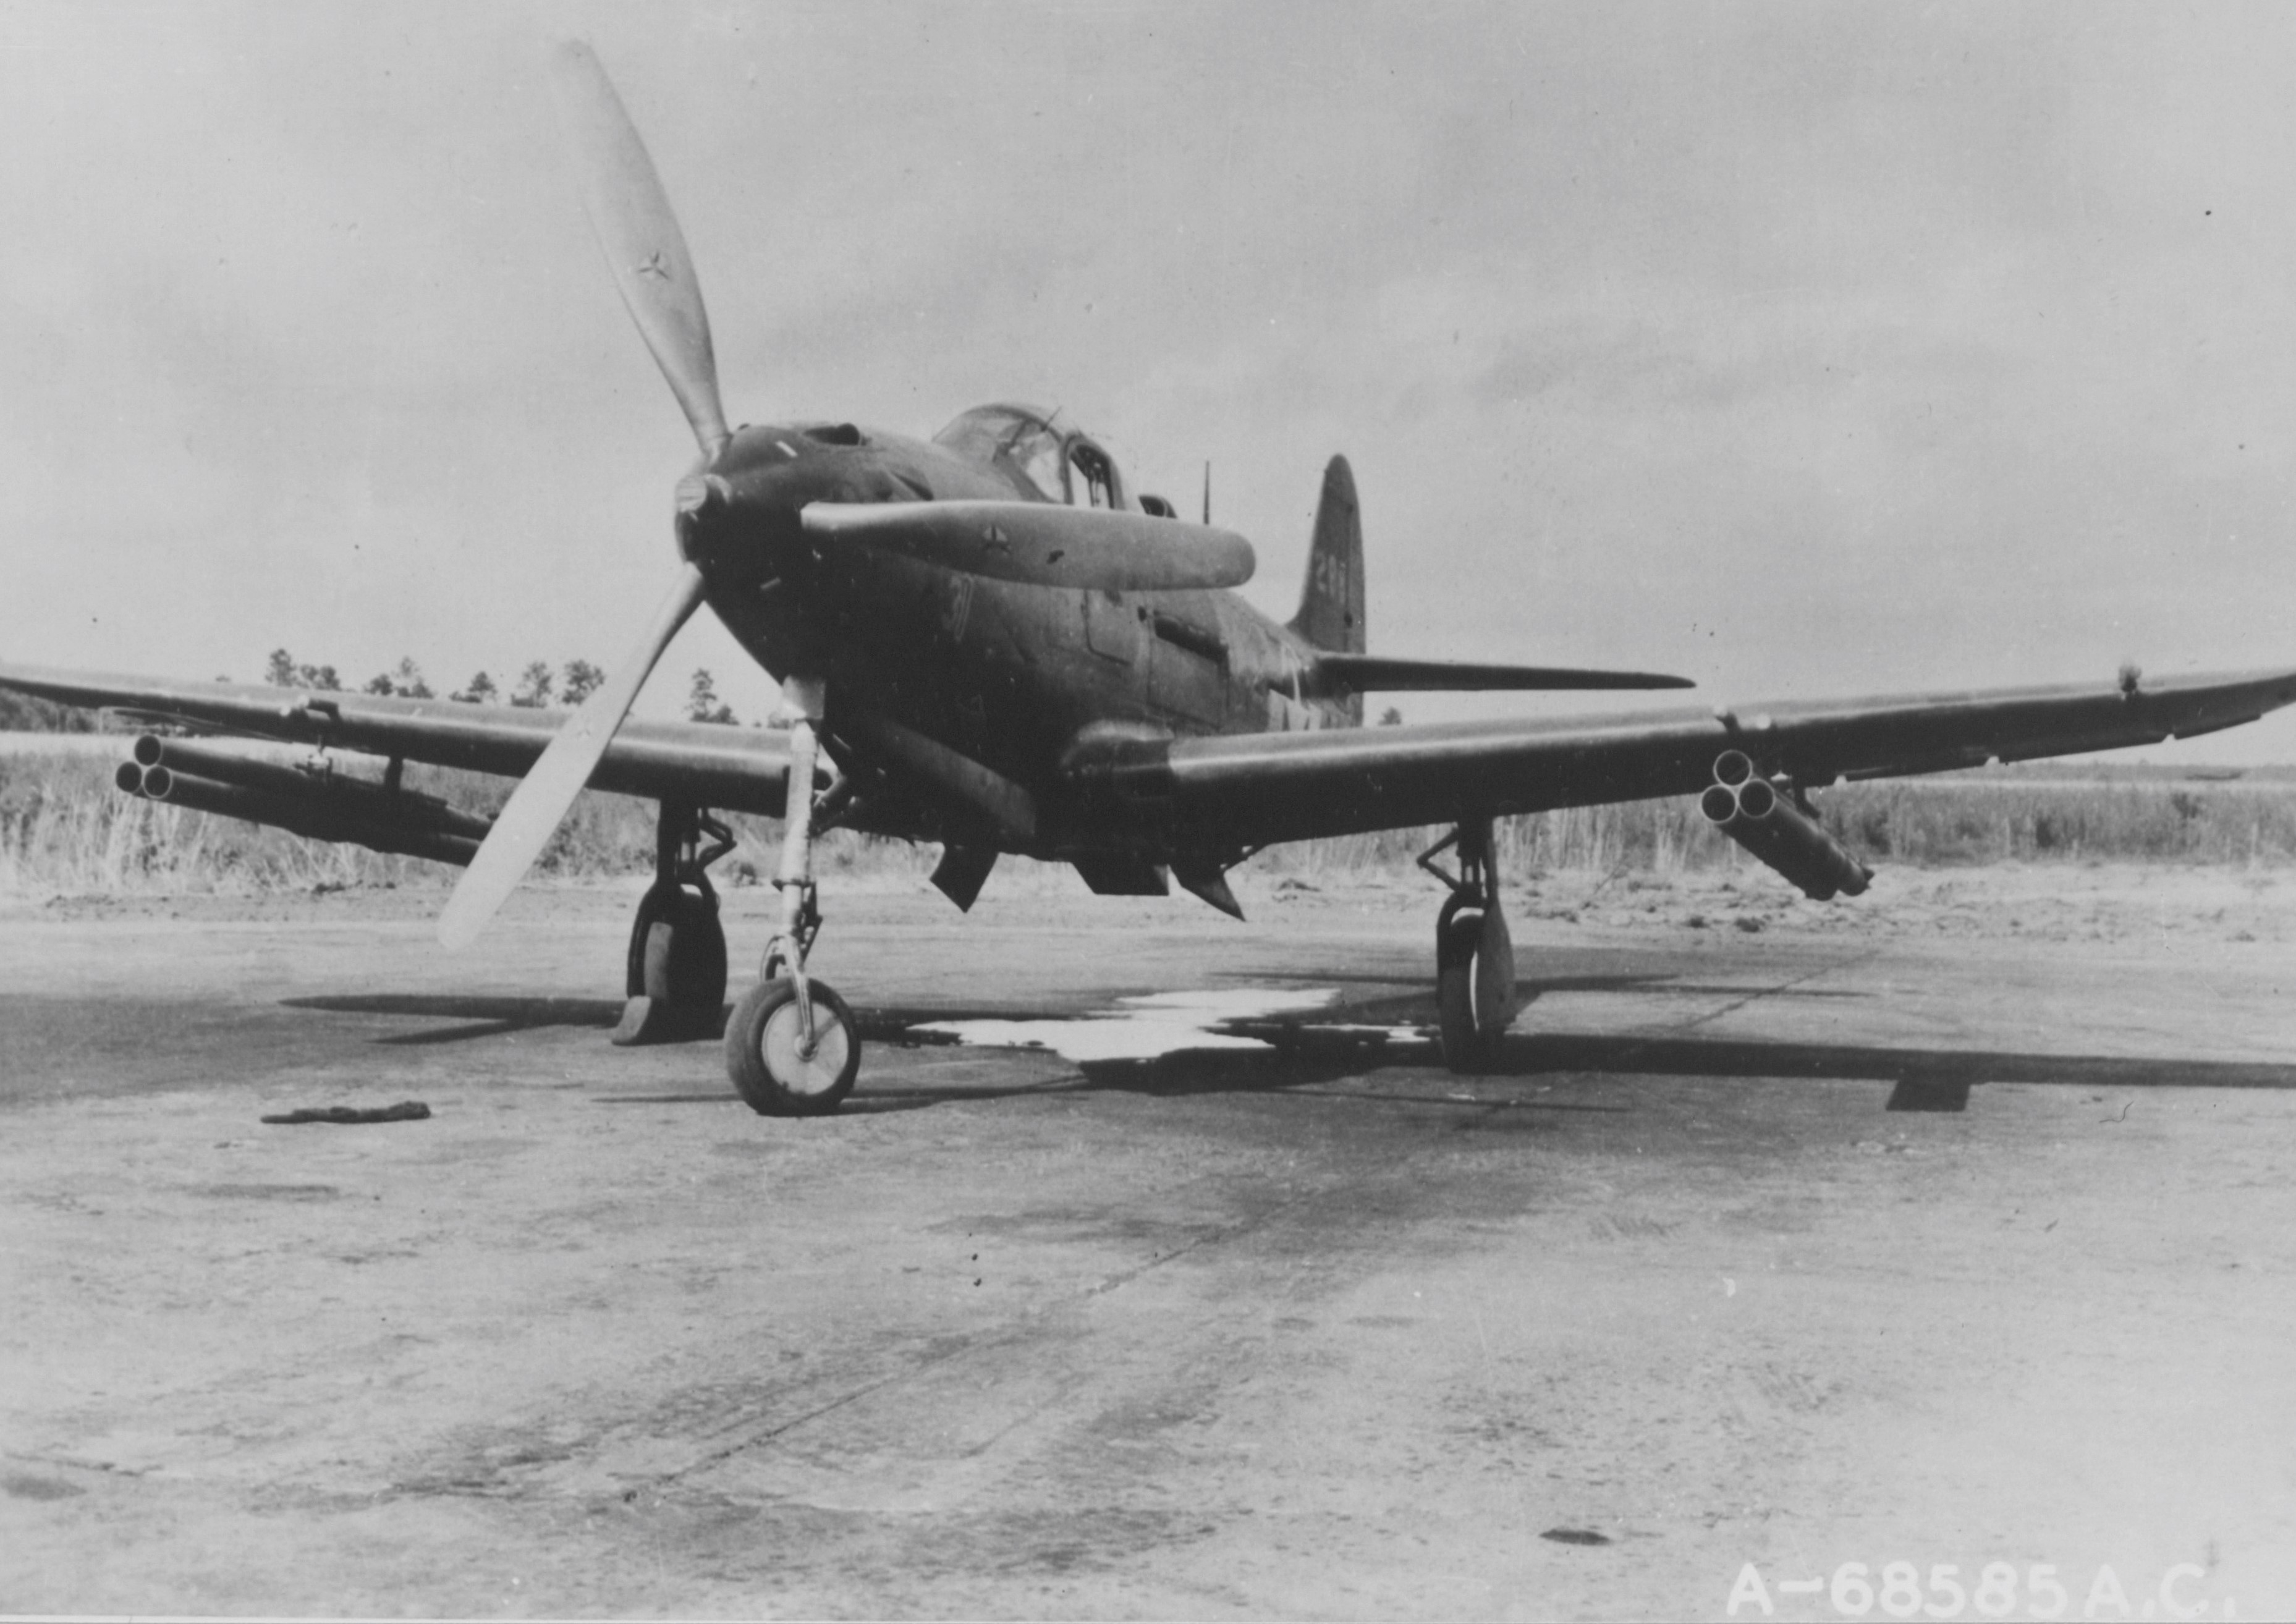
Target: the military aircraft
pixel 990 641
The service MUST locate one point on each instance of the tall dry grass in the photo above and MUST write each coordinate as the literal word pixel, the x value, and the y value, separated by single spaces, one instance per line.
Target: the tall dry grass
pixel 1925 822
pixel 63 828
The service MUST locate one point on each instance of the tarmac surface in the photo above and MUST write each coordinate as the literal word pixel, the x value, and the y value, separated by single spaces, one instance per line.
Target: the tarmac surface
pixel 1298 1326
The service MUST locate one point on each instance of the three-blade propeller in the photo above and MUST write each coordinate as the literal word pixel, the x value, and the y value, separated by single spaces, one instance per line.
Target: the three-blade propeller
pixel 637 231
pixel 646 252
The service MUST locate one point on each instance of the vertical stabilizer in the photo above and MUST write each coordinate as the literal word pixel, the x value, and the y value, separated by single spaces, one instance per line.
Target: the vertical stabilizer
pixel 1332 607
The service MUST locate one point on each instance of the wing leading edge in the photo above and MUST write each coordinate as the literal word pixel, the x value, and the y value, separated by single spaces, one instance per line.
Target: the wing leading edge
pixel 737 769
pixel 1263 788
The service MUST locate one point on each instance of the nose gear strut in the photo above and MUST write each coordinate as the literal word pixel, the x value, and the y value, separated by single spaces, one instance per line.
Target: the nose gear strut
pixel 791 1046
pixel 1474 953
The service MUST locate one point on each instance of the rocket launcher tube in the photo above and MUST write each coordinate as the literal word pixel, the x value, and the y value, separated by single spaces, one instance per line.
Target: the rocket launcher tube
pixel 1752 813
pixel 335 796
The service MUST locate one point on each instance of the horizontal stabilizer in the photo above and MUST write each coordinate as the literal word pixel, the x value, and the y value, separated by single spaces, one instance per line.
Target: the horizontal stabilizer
pixel 1336 675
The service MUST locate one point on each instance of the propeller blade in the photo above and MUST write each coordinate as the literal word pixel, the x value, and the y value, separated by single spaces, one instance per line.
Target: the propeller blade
pixel 1044 545
pixel 539 804
pixel 637 231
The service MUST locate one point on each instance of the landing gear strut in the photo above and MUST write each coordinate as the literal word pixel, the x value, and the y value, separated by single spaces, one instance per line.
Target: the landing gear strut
pixel 677 979
pixel 1474 954
pixel 791 1046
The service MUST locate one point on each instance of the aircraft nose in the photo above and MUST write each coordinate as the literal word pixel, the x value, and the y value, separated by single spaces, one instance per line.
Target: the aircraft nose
pixel 738 517
pixel 739 514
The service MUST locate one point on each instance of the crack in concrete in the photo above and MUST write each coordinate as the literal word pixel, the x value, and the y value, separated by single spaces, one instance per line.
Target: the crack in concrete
pixel 74 1464
pixel 1759 994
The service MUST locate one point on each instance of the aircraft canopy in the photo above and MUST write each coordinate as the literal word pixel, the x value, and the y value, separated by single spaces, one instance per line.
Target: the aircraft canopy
pixel 1021 440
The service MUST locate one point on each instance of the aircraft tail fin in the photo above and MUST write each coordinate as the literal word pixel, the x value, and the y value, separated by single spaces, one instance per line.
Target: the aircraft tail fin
pixel 1332 606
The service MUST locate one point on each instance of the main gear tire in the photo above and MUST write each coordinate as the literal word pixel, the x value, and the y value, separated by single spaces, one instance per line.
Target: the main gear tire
pixel 765 1052
pixel 679 954
pixel 1466 1047
pixel 677 979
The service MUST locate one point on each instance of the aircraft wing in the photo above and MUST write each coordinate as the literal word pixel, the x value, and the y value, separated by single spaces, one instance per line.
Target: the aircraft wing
pixel 739 769
pixel 1260 789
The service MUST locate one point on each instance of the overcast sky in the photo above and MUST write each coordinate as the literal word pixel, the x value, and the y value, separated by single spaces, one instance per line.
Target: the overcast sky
pixel 1804 350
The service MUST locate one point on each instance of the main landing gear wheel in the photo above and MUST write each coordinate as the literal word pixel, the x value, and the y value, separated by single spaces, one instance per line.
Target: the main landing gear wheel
pixel 776 1071
pixel 1474 954
pixel 676 982
pixel 1464 1041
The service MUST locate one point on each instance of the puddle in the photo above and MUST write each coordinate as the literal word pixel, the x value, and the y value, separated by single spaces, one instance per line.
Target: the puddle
pixel 1146 1027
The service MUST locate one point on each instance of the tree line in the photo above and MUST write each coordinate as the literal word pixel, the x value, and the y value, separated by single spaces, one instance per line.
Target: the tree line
pixel 535 687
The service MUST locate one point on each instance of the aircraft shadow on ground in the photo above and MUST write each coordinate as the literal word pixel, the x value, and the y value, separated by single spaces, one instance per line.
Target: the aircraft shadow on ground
pixel 482 1016
pixel 478 1017
pixel 1925 1079
pixel 1304 1054
pixel 1922 1079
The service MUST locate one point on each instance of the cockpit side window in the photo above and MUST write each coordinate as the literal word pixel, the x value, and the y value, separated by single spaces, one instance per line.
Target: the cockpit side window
pixel 1037 454
pixel 1091 483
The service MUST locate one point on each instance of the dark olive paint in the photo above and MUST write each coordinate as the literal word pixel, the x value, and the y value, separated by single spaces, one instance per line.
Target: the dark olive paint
pixel 1011 676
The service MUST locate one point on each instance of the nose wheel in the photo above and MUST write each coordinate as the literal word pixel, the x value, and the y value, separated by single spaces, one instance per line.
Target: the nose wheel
pixel 793 1048
pixel 778 1068
pixel 1474 952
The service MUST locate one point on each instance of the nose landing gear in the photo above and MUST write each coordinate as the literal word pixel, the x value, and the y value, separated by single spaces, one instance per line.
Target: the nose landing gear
pixel 1474 953
pixel 792 1047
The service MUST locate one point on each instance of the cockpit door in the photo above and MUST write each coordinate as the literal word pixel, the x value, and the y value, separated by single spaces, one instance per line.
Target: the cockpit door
pixel 1112 627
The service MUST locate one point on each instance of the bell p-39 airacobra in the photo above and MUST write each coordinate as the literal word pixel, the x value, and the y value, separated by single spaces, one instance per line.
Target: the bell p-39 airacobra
pixel 990 641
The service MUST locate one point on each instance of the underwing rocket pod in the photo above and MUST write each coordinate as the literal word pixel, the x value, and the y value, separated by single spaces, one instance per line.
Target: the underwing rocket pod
pixel 319 805
pixel 1751 811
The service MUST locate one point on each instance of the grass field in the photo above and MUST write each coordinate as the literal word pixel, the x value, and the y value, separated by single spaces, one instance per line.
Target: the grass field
pixel 64 829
